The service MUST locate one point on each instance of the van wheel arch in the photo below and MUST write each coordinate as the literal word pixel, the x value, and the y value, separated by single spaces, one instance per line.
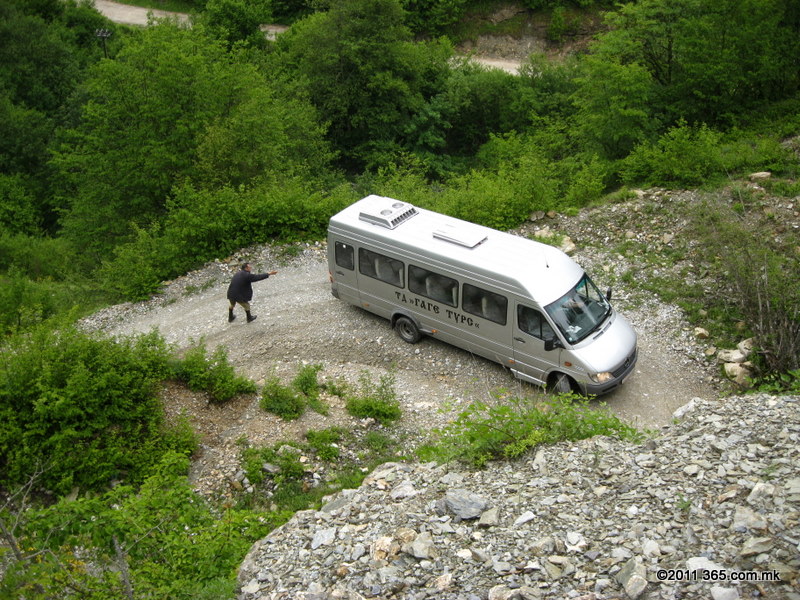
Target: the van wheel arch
pixel 560 383
pixel 407 329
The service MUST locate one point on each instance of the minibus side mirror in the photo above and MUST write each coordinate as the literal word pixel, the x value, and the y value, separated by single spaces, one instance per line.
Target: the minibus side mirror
pixel 608 294
pixel 552 343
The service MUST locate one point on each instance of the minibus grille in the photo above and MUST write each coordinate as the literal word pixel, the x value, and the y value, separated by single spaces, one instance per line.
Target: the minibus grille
pixel 625 364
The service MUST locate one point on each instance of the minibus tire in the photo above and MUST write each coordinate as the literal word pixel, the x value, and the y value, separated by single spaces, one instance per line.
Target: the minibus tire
pixel 407 330
pixel 560 383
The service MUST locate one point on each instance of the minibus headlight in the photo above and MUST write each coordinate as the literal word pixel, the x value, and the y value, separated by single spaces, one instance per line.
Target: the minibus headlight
pixel 600 377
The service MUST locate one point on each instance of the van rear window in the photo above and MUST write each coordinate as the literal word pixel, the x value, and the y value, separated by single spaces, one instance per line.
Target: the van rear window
pixel 438 288
pixel 378 266
pixel 345 256
pixel 486 304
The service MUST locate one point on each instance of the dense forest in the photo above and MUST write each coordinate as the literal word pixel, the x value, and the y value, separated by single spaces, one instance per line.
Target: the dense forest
pixel 131 159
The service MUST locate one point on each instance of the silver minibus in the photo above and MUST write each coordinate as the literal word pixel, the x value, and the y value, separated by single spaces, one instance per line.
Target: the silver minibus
pixel 523 304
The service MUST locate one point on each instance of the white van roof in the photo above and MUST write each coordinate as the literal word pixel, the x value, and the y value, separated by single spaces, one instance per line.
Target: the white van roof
pixel 507 261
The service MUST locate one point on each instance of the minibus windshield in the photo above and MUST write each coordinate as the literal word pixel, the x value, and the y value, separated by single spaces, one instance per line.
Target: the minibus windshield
pixel 580 311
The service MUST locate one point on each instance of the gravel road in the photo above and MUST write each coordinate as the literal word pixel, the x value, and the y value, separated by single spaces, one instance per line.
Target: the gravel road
pixel 300 322
pixel 135 15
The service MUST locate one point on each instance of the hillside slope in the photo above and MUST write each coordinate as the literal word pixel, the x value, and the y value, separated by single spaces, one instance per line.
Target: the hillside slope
pixel 599 519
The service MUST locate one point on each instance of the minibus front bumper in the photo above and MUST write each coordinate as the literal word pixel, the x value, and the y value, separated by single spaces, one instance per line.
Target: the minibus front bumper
pixel 619 375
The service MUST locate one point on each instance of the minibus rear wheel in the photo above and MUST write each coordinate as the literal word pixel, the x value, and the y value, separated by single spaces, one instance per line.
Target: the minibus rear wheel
pixel 560 383
pixel 407 330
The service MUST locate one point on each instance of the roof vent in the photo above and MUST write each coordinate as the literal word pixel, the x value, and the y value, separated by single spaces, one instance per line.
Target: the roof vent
pixel 392 214
pixel 469 238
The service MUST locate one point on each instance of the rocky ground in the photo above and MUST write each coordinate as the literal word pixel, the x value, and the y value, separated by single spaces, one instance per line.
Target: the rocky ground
pixel 714 498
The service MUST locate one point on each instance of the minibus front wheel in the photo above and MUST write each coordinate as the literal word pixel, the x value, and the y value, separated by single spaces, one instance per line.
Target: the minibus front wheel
pixel 559 383
pixel 407 330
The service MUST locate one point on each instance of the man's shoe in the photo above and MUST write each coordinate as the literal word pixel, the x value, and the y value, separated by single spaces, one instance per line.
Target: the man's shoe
pixel 231 317
pixel 250 318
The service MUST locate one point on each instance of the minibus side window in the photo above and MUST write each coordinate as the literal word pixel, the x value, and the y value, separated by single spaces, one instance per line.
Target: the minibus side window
pixel 378 266
pixel 432 285
pixel 532 322
pixel 345 256
pixel 486 304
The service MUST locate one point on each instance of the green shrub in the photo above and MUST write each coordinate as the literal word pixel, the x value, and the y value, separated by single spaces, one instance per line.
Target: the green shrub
pixel 137 268
pixel 213 374
pixel 781 383
pixel 685 156
pixel 175 545
pixel 509 428
pixel 282 400
pixel 202 225
pixel 83 408
pixel 306 382
pixel 376 401
pixel 588 184
pixel 325 442
pixel 759 278
pixel 743 152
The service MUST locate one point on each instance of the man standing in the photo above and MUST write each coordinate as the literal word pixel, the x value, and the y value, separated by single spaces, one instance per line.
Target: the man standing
pixel 241 290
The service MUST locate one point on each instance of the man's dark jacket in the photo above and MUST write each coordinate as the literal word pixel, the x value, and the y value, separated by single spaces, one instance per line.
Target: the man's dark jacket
pixel 241 288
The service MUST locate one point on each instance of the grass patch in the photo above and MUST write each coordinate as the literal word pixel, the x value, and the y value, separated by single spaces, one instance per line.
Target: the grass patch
pixel 511 427
pixel 213 374
pixel 282 400
pixel 375 401
pixel 283 475
pixel 290 402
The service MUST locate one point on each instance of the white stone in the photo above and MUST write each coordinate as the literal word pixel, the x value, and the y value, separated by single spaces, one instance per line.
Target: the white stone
pixel 722 593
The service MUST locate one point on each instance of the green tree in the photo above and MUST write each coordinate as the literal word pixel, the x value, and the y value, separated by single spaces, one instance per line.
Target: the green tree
pixel 267 135
pixel 364 74
pixel 17 213
pixel 45 46
pixel 433 16
pixel 37 61
pixel 613 106
pixel 236 20
pixel 174 106
pixel 709 59
pixel 138 131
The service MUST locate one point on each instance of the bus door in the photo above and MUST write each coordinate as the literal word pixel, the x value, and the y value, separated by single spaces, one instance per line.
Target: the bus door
pixel 531 329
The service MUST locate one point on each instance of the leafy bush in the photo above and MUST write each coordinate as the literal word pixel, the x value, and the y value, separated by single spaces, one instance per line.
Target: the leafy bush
pixel 743 152
pixel 172 543
pixel 290 402
pixel 306 382
pixel 432 16
pixel 282 400
pixel 781 383
pixel 325 442
pixel 137 268
pixel 375 401
pixel 759 278
pixel 83 408
pixel 684 156
pixel 509 428
pixel 201 225
pixel 213 374
pixel 283 456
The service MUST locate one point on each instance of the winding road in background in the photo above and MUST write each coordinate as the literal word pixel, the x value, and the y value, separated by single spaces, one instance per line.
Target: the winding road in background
pixel 136 15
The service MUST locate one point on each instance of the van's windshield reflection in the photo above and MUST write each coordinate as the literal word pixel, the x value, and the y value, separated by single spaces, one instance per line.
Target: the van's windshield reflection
pixel 580 311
